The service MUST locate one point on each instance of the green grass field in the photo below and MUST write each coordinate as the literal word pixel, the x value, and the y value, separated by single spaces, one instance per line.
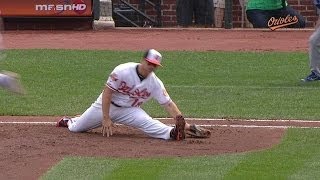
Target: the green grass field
pixel 203 84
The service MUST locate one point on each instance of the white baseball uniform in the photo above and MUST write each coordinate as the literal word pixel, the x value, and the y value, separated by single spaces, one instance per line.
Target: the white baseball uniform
pixel 129 94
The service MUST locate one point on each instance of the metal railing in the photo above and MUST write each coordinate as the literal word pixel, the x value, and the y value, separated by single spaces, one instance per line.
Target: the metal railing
pixel 126 11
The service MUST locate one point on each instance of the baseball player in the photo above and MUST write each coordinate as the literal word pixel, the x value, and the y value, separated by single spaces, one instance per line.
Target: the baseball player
pixel 127 88
pixel 314 51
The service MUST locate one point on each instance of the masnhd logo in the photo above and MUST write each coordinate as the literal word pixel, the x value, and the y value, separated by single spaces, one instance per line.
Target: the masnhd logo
pixel 281 22
pixel 77 6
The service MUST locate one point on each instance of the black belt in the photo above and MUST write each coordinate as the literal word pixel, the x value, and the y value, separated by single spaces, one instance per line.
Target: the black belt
pixel 115 104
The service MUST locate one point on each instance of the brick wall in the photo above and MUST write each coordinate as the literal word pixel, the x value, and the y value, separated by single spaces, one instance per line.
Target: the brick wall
pixel 168 14
pixel 307 9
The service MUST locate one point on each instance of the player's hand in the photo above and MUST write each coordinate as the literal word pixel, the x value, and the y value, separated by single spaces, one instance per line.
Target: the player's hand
pixel 107 127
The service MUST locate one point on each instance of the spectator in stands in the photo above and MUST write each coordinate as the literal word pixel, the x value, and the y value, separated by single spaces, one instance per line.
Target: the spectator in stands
pixel 218 12
pixel 259 12
pixel 196 13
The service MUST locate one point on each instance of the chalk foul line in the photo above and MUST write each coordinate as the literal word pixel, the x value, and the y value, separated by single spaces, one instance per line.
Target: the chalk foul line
pixel 204 125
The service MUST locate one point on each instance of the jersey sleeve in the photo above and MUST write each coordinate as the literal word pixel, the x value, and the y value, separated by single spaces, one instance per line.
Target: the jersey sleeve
pixel 113 80
pixel 160 93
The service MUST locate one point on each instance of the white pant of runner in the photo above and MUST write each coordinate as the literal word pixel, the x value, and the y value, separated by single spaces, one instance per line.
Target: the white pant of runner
pixel 130 116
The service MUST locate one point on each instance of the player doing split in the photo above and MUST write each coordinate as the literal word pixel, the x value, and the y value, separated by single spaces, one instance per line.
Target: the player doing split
pixel 128 87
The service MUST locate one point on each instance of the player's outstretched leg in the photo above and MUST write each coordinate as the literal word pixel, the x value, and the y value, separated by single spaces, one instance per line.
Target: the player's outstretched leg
pixel 11 82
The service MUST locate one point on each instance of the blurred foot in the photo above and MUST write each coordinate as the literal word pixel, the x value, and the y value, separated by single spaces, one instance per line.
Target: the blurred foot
pixel 11 82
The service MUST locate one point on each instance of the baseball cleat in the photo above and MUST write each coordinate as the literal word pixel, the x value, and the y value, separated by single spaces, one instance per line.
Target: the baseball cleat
pixel 63 122
pixel 311 77
pixel 11 82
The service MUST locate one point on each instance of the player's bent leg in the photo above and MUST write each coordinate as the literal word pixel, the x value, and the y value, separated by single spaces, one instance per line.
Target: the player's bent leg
pixel 90 119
